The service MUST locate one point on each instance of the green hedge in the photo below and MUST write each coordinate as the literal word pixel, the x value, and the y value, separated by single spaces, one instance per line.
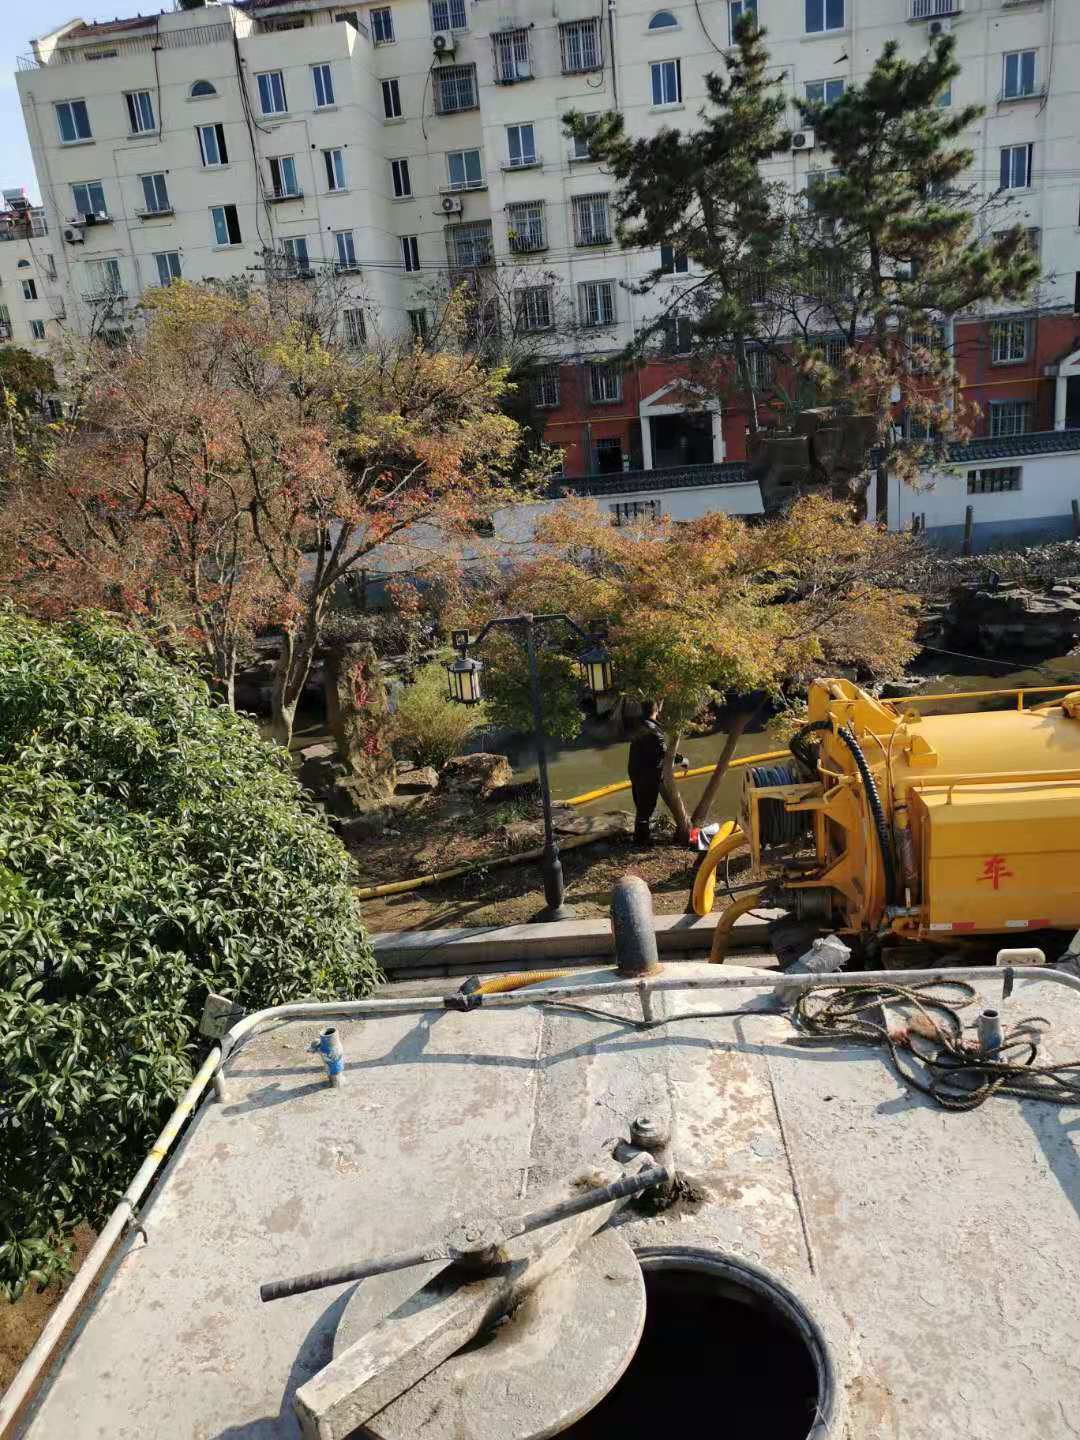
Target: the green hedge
pixel 152 848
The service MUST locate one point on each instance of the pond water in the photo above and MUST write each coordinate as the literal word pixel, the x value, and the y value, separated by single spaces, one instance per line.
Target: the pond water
pixel 580 767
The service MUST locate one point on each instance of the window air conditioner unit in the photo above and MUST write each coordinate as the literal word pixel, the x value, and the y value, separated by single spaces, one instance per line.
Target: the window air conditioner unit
pixel 443 43
pixel 802 140
pixel 73 235
pixel 451 205
pixel 936 28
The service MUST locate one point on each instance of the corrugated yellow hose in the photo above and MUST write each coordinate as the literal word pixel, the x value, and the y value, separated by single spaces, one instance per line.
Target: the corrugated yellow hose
pixel 591 795
pixel 703 896
pixel 724 926
pixel 519 980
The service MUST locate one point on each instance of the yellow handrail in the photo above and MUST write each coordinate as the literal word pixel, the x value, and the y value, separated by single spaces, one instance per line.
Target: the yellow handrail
pixel 902 700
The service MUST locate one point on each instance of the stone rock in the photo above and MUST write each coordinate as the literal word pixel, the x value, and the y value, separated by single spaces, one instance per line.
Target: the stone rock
pixel 521 835
pixel 358 714
pixel 419 781
pixel 348 796
pixel 404 766
pixel 610 822
pixel 476 775
pixel 319 752
pixel 367 825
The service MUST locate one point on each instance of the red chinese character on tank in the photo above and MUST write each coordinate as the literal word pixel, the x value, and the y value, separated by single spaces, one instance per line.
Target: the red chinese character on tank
pixel 995 870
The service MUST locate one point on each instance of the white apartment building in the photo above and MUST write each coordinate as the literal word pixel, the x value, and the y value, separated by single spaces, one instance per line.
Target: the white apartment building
pixel 401 142
pixel 31 305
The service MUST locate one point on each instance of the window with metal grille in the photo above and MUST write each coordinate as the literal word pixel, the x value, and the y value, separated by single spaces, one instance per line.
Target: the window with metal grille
pixel 592 220
pixel 672 261
pixel 525 226
pixel 511 54
pixel 89 198
pixel 382 26
pixel 464 169
pixel 140 108
pixel 521 146
pixel 155 194
pixel 1008 341
pixel 761 369
pixel 1016 166
pixel 449 15
pixel 581 47
pixel 628 512
pixel 226 224
pixel 545 388
pixel 1018 78
pixel 832 350
pixel 1009 417
pixel 410 253
pixel 455 89
pixel 105 279
pixel 994 482
pixel 596 299
pixel 391 99
pixel 272 92
pixel 168 266
pixel 666 82
pixel 605 384
pixel 334 160
pixel 469 245
pixel 418 324
pixel 355 328
pixel 534 308
pixel 283 178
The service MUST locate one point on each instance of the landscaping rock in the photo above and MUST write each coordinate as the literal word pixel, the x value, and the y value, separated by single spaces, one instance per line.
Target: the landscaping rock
pixel 418 781
pixel 318 752
pixel 521 835
pixel 476 775
pixel 608 822
pixel 348 796
pixel 368 825
pixel 358 715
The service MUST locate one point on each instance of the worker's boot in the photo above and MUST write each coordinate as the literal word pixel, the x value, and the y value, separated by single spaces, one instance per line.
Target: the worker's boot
pixel 642 835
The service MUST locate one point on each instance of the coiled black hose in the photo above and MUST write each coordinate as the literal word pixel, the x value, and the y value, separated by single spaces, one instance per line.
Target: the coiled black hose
pixel 799 748
pixel 873 799
pixel 779 826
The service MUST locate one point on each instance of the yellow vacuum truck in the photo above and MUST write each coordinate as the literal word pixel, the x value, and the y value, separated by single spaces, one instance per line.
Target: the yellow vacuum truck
pixel 888 823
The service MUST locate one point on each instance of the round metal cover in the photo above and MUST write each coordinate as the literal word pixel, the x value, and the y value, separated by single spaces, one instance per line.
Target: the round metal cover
pixel 555 1358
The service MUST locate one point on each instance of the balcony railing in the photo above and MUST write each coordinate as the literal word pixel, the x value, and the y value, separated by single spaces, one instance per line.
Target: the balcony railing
pixel 934 9
pixel 120 47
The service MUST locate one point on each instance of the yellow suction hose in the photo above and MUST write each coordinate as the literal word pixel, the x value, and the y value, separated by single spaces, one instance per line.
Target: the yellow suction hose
pixel 519 980
pixel 724 926
pixel 605 790
pixel 728 838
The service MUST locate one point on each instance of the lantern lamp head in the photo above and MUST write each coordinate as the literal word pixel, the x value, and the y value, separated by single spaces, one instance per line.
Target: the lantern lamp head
pixel 463 675
pixel 596 665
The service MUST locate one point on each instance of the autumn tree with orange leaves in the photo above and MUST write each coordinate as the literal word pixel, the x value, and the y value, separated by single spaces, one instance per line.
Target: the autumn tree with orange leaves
pixel 232 465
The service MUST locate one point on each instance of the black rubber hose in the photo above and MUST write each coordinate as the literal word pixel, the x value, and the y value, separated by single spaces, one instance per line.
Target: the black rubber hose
pixel 874 801
pixel 797 743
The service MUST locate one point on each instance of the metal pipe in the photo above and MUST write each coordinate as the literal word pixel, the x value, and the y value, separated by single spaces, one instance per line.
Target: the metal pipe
pixel 15 1395
pixel 988 1028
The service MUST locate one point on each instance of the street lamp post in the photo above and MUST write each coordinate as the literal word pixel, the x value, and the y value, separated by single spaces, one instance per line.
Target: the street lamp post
pixel 464 679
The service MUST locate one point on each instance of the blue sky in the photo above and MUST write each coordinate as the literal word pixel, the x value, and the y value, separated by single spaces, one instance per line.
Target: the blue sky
pixel 19 20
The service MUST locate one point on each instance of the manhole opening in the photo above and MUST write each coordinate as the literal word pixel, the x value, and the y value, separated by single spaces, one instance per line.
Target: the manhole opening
pixel 723 1348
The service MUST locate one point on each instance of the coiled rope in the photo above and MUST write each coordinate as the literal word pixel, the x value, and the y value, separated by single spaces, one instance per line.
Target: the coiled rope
pixel 959 1075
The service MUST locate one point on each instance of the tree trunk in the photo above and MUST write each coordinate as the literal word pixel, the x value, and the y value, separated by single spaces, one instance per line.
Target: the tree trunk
pixel 294 662
pixel 708 798
pixel 671 794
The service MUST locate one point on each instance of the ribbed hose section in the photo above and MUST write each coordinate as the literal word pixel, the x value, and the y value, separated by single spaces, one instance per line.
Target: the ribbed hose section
pixel 798 747
pixel 777 825
pixel 873 799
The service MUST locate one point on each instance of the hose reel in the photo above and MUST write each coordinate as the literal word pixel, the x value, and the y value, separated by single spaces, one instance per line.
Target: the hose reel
pixel 776 824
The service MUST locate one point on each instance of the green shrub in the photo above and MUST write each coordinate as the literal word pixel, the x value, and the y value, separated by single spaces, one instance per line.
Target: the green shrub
pixel 430 727
pixel 152 848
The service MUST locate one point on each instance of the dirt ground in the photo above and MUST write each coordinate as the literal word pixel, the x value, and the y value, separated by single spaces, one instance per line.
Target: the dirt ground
pixel 21 1323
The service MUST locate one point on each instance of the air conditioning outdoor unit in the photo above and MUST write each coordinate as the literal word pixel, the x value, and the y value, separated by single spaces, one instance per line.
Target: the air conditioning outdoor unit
pixel 451 205
pixel 443 43
pixel 937 28
pixel 802 140
pixel 73 235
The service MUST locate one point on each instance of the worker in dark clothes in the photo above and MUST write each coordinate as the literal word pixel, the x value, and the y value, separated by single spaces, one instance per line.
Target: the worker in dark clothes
pixel 645 766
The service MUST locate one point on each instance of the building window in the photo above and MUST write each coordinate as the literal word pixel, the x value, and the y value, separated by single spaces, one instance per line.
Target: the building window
pixel 469 245
pixel 168 266
pixel 994 482
pixel 455 89
pixel 74 121
pixel 832 350
pixel 212 145
pixel 666 82
pixel 295 251
pixel 580 44
pixel 630 512
pixel 579 148
pixel 1016 167
pixel 226 224
pixel 534 308
pixel 511 53
pixel 29 289
pixel 592 220
pixel 597 302
pixel 823 92
pixel 448 15
pixel 418 324
pixel 678 334
pixel 1008 341
pixel 410 253
pixel 200 89
pixel 334 160
pixel 762 371
pixel 1019 75
pixel 391 99
pixel 37 329
pixel 464 169
pixel 89 198
pixel 140 107
pixel 545 388
pixel 382 26
pixel 105 279
pixel 283 178
pixel 525 226
pixel 672 261
pixel 355 326
pixel 345 250
pixel 1008 417
pixel 272 92
pixel 663 20
pixel 824 15
pixel 521 145
pixel 155 195
pixel 399 170
pixel 736 10
pixel 324 86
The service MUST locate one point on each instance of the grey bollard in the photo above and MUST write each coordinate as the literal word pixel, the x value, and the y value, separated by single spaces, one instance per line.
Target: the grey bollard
pixel 633 928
